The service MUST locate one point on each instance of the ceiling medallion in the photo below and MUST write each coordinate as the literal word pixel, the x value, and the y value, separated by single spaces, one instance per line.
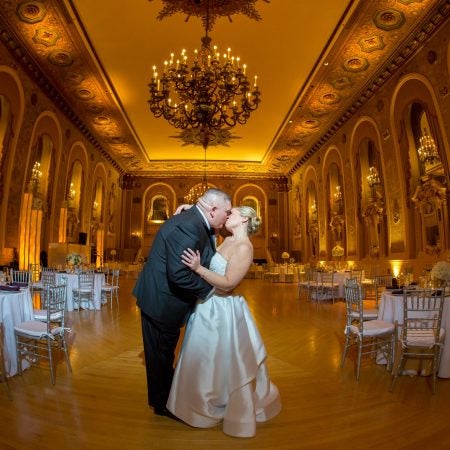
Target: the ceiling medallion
pixel 330 98
pixel 356 64
pixel 371 43
pixel 84 94
pixel 46 36
pixel 31 12
pixel 389 19
pixel 217 8
pixel 310 123
pixel 60 58
pixel 195 137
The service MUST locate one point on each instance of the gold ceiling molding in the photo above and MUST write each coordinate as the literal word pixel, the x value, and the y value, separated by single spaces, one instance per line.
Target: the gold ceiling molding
pixel 378 44
pixel 375 43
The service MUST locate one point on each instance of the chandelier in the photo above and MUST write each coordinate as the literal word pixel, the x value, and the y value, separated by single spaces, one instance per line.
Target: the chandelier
pixel 338 194
pixel 373 179
pixel 72 192
pixel 209 92
pixel 428 153
pixel 36 173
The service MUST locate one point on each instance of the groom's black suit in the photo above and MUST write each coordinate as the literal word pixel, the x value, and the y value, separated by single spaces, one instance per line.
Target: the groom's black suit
pixel 166 293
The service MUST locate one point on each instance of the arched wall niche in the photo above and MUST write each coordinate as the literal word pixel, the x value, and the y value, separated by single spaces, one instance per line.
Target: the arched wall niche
pixel 11 174
pixel 334 199
pixel 369 167
pixel 416 88
pixel 47 139
pixel 426 186
pixel 144 231
pixel 260 252
pixel 312 214
pixel 98 214
pixel 78 189
pixel 99 192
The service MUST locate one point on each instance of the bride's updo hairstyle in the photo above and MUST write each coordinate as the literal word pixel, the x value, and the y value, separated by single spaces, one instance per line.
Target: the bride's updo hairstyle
pixel 254 222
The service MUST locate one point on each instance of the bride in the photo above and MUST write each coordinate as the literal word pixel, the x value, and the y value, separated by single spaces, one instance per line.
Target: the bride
pixel 221 374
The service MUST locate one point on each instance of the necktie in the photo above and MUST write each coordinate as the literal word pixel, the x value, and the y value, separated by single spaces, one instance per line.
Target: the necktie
pixel 212 238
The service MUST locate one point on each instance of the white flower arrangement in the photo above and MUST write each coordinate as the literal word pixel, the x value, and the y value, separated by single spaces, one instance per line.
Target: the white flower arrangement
pixel 337 251
pixel 74 259
pixel 441 271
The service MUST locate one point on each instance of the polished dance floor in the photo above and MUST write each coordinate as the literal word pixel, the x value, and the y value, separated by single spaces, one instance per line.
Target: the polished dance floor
pixel 103 405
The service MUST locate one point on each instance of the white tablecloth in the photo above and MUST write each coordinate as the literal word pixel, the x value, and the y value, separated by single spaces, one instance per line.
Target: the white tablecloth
pixel 339 279
pixel 72 282
pixel 15 307
pixel 391 310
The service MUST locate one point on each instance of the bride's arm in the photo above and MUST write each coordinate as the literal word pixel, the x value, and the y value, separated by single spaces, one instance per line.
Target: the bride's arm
pixel 237 267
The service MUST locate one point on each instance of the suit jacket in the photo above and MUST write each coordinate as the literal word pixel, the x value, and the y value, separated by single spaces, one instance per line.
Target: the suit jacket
pixel 166 289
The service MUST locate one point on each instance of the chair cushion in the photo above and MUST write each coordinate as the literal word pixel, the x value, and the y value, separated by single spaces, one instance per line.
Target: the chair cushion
pixel 33 328
pixel 374 328
pixel 422 338
pixel 41 314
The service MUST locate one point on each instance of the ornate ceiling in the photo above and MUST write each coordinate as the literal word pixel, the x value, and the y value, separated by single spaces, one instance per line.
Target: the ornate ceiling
pixel 317 63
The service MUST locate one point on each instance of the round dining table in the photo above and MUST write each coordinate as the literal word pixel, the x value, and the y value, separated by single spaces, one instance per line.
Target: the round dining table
pixel 71 280
pixel 15 307
pixel 391 310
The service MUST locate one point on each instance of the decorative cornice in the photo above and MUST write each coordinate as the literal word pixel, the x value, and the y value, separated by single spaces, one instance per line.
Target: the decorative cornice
pixel 22 56
pixel 423 34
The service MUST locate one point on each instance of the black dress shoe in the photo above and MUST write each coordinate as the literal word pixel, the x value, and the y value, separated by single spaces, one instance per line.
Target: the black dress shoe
pixel 167 413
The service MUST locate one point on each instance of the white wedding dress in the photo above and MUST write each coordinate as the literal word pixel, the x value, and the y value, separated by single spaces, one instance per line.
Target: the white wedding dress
pixel 221 375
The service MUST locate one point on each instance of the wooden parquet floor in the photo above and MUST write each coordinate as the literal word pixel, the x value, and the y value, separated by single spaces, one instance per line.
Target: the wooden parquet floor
pixel 102 404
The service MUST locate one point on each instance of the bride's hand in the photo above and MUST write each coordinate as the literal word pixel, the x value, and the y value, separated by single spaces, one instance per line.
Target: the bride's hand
pixel 191 259
pixel 183 207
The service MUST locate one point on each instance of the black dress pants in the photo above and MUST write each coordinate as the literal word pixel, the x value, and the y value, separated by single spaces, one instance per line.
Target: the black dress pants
pixel 160 341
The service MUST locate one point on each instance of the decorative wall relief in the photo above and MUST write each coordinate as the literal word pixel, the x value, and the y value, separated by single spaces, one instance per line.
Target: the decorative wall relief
pixel 396 212
pixel 431 204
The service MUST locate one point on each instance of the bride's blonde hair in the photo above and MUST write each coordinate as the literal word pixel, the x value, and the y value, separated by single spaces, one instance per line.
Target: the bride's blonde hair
pixel 254 222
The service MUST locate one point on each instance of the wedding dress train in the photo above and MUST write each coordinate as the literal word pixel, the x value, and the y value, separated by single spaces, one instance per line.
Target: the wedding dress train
pixel 221 374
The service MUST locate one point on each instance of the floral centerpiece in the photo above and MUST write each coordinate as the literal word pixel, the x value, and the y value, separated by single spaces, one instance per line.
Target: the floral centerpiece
pixel 74 259
pixel 441 272
pixel 337 251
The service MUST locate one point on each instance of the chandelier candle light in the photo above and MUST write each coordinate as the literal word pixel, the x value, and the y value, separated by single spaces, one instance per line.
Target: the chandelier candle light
pixel 428 153
pixel 211 92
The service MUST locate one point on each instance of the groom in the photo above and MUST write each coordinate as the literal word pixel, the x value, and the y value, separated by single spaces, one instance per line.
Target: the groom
pixel 167 290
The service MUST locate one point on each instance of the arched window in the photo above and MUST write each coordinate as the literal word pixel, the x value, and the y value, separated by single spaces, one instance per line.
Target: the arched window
pixel 253 202
pixel 159 209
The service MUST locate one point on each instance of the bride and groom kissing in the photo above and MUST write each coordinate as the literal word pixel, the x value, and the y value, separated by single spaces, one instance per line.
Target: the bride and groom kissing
pixel 220 375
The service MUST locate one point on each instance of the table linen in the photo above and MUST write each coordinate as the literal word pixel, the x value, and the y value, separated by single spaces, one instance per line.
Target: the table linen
pixel 15 307
pixel 391 310
pixel 72 282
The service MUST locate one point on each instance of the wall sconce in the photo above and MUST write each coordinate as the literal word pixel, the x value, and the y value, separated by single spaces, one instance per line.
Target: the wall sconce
pixel 373 179
pixel 95 205
pixel 313 207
